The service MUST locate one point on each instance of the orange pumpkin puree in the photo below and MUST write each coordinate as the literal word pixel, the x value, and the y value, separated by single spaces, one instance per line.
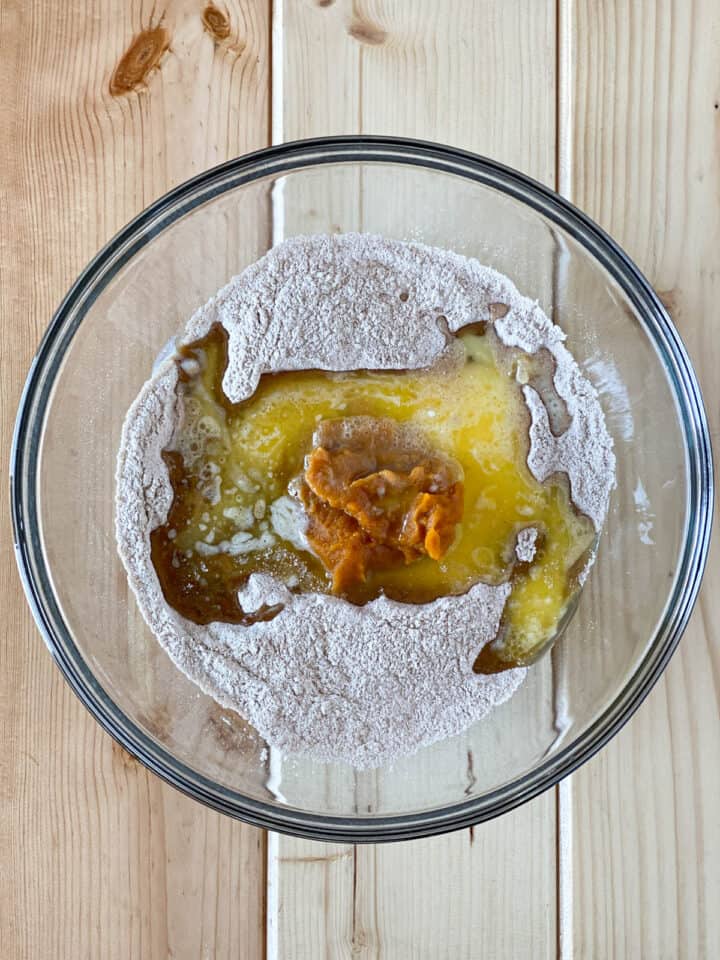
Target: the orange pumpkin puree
pixel 376 498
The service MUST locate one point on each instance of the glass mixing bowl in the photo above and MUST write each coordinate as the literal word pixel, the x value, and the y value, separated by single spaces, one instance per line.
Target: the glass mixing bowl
pixel 139 291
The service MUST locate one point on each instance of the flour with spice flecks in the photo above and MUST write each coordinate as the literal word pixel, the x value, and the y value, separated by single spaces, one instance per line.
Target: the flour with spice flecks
pixel 357 684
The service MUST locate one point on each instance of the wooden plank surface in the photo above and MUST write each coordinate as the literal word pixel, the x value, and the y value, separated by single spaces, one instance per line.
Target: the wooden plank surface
pixel 106 106
pixel 446 897
pixel 643 159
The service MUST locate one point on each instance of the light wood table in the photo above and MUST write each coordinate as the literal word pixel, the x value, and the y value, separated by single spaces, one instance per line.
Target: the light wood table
pixel 108 103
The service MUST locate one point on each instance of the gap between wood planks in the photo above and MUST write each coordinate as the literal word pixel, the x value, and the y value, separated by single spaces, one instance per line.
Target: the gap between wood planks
pixel 563 185
pixel 272 846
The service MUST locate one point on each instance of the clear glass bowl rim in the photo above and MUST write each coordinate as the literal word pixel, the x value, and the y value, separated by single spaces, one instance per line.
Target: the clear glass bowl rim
pixel 275 161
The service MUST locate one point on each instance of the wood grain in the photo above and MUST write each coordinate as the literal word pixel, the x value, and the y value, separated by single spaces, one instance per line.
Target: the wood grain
pixel 453 73
pixel 105 107
pixel 643 154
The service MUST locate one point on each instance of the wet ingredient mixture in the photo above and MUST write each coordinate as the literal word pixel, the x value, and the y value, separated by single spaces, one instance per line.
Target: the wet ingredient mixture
pixel 409 484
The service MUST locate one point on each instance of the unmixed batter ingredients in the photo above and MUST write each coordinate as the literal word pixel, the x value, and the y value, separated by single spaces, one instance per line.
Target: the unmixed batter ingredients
pixel 363 494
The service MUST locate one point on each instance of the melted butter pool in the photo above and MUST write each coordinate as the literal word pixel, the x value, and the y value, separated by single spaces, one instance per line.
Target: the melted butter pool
pixel 232 465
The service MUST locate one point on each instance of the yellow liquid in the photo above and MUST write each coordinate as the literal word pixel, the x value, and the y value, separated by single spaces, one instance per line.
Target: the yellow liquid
pixel 242 456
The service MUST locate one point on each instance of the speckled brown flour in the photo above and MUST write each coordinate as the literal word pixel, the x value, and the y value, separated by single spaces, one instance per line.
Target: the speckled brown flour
pixel 366 684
